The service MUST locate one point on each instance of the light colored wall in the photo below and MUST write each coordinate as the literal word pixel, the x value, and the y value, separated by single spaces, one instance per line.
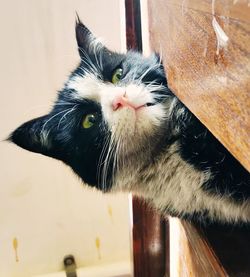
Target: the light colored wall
pixel 41 203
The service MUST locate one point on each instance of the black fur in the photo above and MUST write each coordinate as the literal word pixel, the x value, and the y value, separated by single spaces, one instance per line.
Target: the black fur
pixel 201 149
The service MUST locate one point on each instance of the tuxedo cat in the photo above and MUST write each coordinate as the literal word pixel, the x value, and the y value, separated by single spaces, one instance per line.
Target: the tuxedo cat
pixel 120 128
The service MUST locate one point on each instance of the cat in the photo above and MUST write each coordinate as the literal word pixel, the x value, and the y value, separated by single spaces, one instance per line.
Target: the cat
pixel 119 127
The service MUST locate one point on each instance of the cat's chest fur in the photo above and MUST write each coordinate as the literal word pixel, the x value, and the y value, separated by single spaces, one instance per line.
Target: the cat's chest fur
pixel 176 188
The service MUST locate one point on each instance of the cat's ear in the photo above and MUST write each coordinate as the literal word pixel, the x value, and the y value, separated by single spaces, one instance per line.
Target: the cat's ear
pixel 86 41
pixel 34 136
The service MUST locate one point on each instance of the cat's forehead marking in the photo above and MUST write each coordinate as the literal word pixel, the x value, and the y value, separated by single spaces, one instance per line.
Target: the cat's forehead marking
pixel 92 88
pixel 85 87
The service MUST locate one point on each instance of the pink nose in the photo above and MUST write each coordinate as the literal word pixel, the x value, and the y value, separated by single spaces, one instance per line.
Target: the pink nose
pixel 121 101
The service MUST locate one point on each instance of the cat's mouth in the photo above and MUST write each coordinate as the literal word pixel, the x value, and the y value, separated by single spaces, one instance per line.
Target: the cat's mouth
pixel 149 104
pixel 143 106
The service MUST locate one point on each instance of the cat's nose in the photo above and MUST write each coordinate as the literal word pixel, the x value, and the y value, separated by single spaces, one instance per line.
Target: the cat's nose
pixel 122 101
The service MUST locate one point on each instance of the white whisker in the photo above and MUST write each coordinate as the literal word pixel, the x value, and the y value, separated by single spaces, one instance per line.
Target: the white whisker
pixel 155 66
pixel 101 160
pixel 65 114
pixel 43 128
pixel 93 68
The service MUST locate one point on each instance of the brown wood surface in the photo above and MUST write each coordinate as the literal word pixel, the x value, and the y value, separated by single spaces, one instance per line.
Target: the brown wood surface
pixel 191 255
pixel 214 83
pixel 149 238
pixel 133 25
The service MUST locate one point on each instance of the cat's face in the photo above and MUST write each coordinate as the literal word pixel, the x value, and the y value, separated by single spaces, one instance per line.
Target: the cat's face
pixel 110 109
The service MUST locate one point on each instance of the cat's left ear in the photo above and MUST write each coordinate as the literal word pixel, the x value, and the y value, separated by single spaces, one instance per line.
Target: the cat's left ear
pixel 86 41
pixel 35 136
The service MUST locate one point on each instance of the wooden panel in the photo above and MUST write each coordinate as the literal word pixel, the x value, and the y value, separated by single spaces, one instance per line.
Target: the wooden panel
pixel 133 25
pixel 206 52
pixel 190 254
pixel 149 238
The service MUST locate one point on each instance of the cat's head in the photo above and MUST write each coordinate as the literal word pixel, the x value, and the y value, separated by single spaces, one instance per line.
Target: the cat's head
pixel 110 109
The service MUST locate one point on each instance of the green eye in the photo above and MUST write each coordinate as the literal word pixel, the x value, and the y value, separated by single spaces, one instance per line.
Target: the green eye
pixel 88 121
pixel 117 75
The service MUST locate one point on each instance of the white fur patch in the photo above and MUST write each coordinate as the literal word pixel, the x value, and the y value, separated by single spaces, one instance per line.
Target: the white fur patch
pixel 123 122
pixel 87 87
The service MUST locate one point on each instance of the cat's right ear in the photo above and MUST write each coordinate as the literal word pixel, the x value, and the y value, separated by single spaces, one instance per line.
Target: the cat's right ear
pixel 86 41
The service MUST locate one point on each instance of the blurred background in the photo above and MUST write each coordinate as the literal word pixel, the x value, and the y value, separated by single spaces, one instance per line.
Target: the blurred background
pixel 45 211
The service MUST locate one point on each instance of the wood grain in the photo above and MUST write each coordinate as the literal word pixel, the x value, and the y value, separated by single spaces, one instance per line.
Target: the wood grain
pixel 133 25
pixel 191 255
pixel 212 82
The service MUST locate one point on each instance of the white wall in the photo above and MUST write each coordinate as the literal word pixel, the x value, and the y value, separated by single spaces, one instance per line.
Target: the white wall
pixel 42 203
